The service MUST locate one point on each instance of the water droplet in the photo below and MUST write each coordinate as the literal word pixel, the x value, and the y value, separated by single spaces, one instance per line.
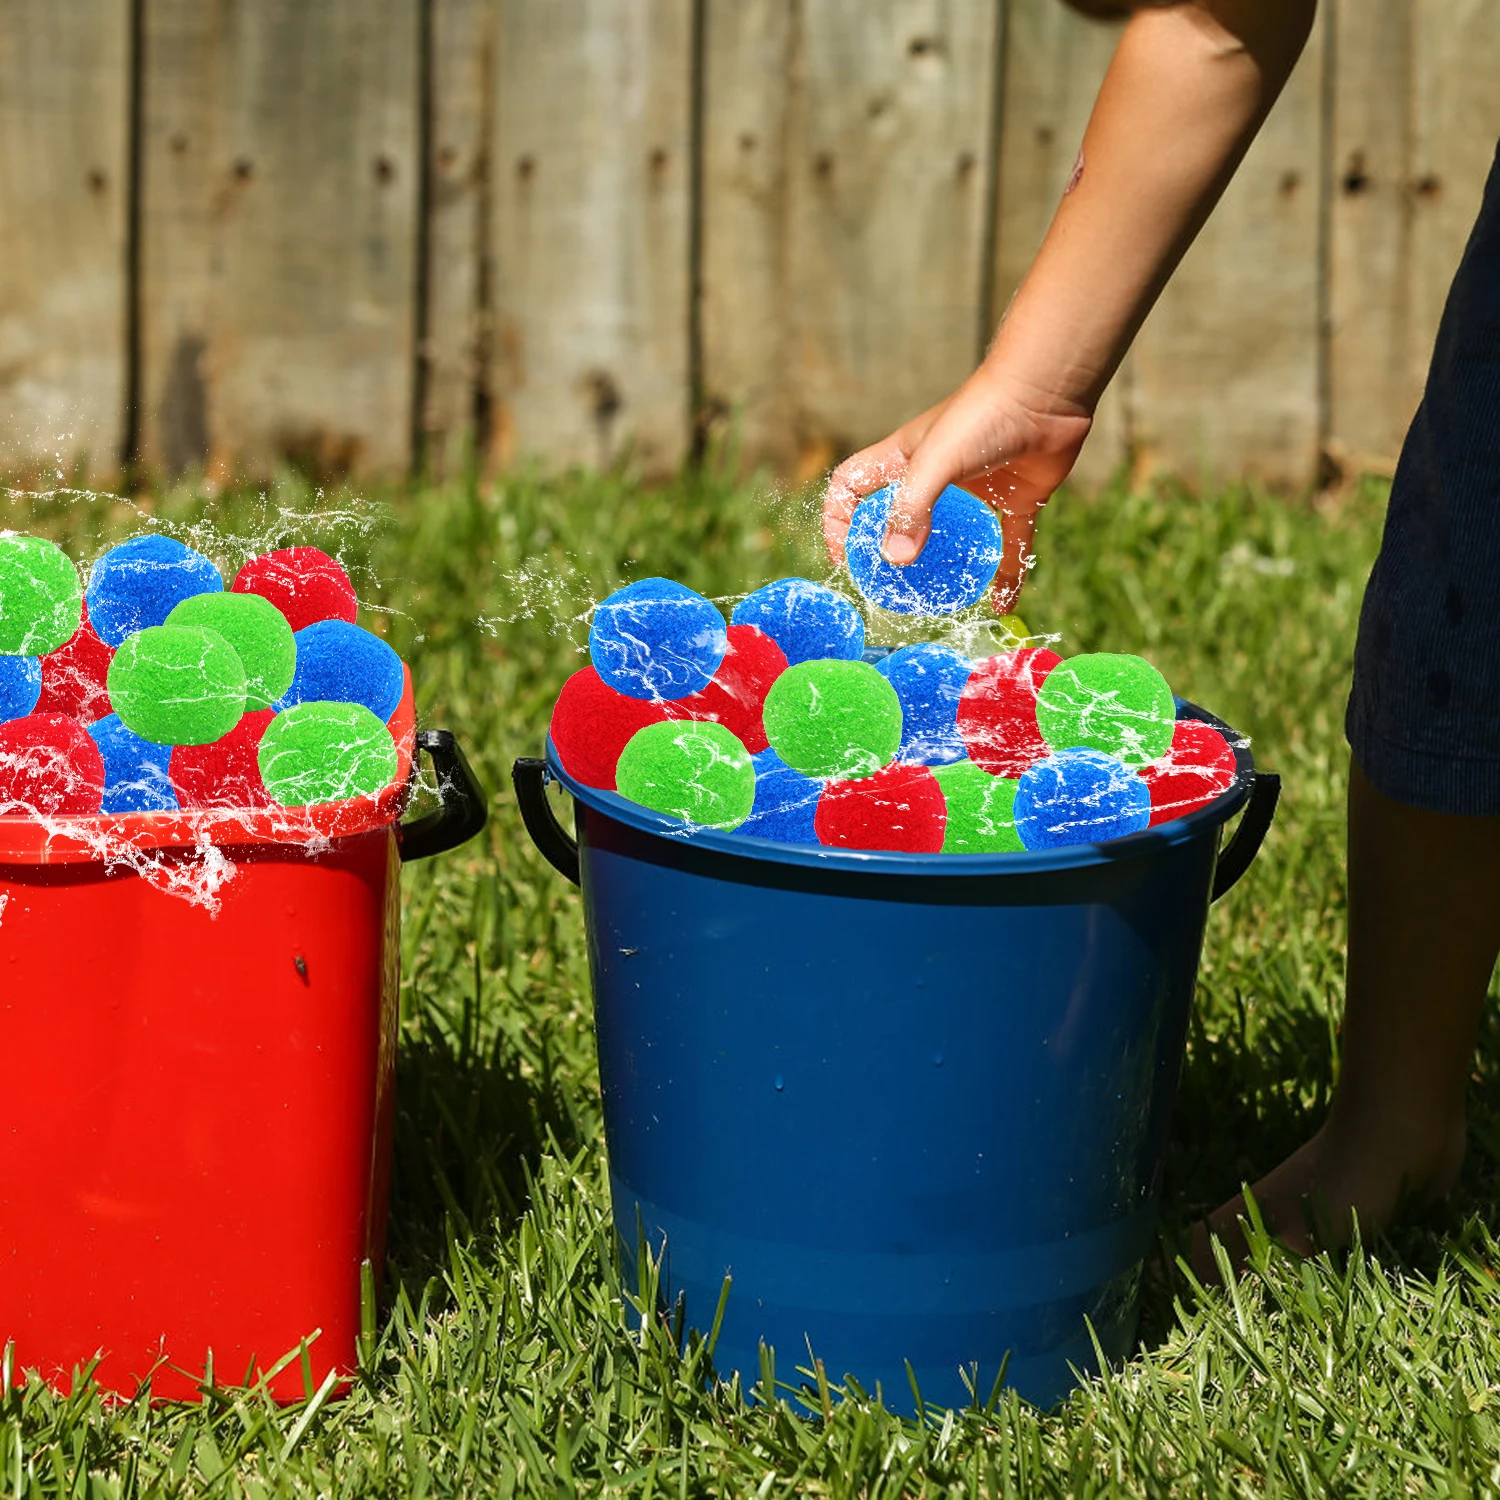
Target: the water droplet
pixel 937 1059
pixel 780 1083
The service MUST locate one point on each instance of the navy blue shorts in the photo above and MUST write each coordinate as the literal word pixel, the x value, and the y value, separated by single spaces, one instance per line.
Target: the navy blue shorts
pixel 1424 715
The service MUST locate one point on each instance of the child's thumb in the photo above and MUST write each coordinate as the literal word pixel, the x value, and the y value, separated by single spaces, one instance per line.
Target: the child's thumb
pixel 910 520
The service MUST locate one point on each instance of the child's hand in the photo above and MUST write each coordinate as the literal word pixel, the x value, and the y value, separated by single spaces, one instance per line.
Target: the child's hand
pixel 1011 451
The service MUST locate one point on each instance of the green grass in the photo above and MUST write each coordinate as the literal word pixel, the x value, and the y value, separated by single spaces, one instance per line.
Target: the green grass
pixel 503 1361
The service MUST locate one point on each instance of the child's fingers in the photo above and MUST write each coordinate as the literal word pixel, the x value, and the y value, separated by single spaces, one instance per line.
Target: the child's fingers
pixel 855 478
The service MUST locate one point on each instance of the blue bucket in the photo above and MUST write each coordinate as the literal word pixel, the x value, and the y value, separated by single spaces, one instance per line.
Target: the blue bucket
pixel 914 1106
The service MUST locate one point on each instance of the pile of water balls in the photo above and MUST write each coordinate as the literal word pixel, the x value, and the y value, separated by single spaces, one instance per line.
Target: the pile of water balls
pixel 152 688
pixel 775 725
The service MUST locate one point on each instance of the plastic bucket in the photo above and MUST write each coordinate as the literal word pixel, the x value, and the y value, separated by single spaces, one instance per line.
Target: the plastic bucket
pixel 914 1106
pixel 197 1109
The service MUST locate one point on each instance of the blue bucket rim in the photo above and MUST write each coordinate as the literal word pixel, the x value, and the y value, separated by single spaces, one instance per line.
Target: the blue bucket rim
pixel 1149 842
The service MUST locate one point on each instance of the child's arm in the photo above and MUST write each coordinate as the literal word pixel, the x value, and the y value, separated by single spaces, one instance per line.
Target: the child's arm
pixel 1185 93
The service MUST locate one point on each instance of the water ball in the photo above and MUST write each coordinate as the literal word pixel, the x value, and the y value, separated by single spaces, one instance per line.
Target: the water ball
pixel 786 802
pixel 136 778
pixel 1079 797
pixel 953 570
pixel 259 633
pixel 736 698
pixel 304 583
pixel 49 768
pixel 807 620
pixel 139 583
pixel 833 719
pixel 41 600
pixel 1118 705
pixel 694 771
pixel 997 710
pixel 225 774
pixel 899 809
pixel 325 752
pixel 75 677
pixel 657 639
pixel 1015 630
pixel 339 663
pixel 592 724
pixel 1198 766
pixel 928 679
pixel 981 810
pixel 20 686
pixel 177 685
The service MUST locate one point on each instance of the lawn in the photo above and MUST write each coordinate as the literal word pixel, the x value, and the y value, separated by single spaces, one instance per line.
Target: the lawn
pixel 502 1359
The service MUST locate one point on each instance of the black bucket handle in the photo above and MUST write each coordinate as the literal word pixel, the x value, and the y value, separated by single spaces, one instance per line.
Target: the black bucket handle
pixel 464 810
pixel 561 850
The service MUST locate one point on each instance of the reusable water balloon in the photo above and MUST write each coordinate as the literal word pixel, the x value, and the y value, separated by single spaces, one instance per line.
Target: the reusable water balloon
pixel 807 620
pixel 900 808
pixel 49 767
pixel 20 686
pixel 75 676
pixel 135 770
pixel 1079 797
pixel 981 810
pixel 227 772
pixel 833 719
pixel 139 583
pixel 698 772
pixel 997 710
pixel 786 802
pixel 657 639
pixel 304 583
pixel 177 685
pixel 1199 765
pixel 41 600
pixel 928 680
pixel 1119 705
pixel 736 697
pixel 259 633
pixel 325 752
pixel 592 724
pixel 953 570
pixel 339 663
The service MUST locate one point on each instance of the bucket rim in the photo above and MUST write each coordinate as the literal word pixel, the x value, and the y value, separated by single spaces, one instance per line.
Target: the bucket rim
pixel 1145 844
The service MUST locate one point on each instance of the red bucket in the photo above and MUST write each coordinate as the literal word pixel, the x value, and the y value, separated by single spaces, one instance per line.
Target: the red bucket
pixel 197 1108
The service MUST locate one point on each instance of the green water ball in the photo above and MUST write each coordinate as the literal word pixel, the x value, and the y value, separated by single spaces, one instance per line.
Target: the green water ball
pixel 1118 705
pixel 41 596
pixel 326 752
pixel 695 770
pixel 981 816
pixel 259 633
pixel 177 685
pixel 833 719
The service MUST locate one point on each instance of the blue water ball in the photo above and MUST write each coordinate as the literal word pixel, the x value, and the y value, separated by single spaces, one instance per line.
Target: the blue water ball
pixel 140 582
pixel 20 686
pixel 952 572
pixel 928 679
pixel 786 802
pixel 1079 797
pixel 136 772
pixel 807 620
pixel 657 640
pixel 340 663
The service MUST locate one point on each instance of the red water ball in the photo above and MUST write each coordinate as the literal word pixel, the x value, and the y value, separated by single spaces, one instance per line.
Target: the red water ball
pixel 49 767
pixel 305 584
pixel 736 697
pixel 997 710
pixel 900 808
pixel 73 676
pixel 592 724
pixel 1198 766
pixel 225 773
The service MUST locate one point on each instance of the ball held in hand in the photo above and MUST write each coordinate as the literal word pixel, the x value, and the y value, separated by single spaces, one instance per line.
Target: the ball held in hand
pixel 952 572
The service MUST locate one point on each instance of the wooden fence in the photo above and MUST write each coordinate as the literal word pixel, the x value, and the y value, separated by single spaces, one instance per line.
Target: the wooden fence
pixel 364 234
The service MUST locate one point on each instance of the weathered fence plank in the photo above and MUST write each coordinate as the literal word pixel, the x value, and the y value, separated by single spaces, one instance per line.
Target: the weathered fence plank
pixel 279 183
pixel 889 172
pixel 1054 61
pixel 64 205
pixel 1226 377
pixel 591 229
pixel 459 92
